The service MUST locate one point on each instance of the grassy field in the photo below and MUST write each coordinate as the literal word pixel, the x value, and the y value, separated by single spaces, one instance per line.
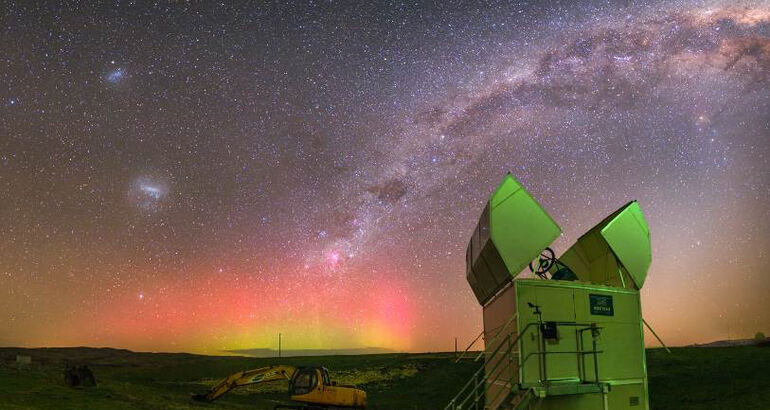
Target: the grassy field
pixel 719 378
pixel 688 378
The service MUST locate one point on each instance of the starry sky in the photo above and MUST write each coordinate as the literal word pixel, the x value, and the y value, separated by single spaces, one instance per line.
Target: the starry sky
pixel 200 177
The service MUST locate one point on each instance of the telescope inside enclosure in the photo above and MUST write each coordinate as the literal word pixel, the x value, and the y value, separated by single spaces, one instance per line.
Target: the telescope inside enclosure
pixel 570 338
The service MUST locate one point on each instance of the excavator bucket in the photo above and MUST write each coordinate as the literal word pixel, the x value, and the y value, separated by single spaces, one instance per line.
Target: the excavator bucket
pixel 512 231
pixel 616 252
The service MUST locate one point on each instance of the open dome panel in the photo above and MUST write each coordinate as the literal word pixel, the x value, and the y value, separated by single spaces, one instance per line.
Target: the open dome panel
pixel 512 231
pixel 629 237
pixel 615 251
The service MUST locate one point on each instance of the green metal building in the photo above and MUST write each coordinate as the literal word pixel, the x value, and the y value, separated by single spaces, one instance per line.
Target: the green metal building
pixel 572 338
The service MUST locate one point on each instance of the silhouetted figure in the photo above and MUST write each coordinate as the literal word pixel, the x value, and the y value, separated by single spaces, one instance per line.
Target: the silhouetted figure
pixel 78 376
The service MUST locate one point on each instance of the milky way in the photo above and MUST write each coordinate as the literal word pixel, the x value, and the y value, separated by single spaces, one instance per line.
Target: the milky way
pixel 200 179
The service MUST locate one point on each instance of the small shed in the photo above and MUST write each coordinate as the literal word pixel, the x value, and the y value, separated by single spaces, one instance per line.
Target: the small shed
pixel 23 361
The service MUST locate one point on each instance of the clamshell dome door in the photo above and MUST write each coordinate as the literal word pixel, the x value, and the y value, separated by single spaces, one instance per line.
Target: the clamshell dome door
pixel 512 231
pixel 615 252
pixel 629 238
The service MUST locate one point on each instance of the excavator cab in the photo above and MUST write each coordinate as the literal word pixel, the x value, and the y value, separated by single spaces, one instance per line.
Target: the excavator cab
pixel 304 381
pixel 313 385
pixel 325 377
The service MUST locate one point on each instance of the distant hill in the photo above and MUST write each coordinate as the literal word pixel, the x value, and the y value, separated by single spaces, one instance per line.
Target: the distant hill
pixel 735 342
pixel 308 352
pixel 102 355
pixel 90 354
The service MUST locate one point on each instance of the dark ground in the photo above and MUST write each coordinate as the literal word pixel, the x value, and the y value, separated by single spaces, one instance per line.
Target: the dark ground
pixel 688 378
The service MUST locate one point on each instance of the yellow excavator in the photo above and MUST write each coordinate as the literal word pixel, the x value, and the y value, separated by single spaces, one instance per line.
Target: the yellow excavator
pixel 308 385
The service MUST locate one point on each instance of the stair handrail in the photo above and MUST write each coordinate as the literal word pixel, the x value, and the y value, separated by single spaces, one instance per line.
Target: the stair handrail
pixel 499 332
pixel 469 347
pixel 481 369
pixel 488 375
pixel 453 403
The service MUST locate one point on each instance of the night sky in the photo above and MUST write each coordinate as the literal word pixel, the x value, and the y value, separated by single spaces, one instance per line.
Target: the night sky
pixel 185 177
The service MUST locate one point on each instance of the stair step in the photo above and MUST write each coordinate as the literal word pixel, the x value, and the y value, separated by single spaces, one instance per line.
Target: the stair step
pixel 521 399
pixel 565 389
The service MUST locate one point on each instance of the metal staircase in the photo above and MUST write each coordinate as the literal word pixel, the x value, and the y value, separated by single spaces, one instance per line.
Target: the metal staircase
pixel 497 385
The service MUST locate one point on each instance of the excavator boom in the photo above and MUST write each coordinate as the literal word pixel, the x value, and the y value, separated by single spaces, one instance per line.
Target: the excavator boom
pixel 309 385
pixel 244 378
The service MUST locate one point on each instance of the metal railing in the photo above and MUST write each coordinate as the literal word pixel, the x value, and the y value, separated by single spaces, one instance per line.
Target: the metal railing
pixel 473 395
pixel 462 355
